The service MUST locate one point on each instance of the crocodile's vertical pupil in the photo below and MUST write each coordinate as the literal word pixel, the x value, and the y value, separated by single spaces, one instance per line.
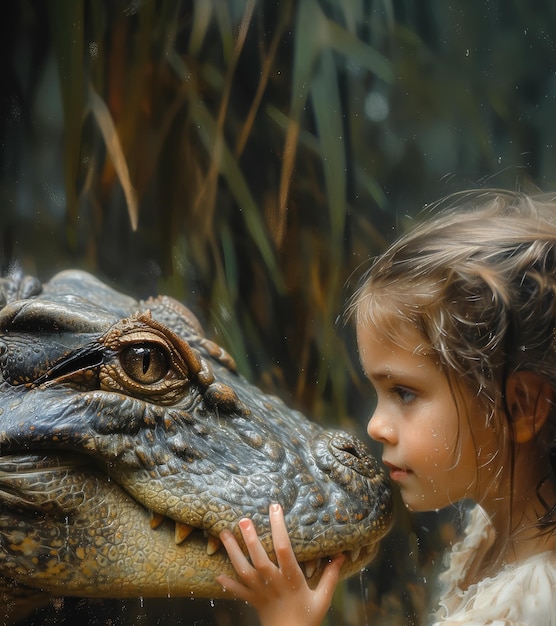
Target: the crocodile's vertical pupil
pixel 146 363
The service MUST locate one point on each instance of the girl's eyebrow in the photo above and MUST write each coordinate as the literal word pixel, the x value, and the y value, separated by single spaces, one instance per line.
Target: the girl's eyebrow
pixel 380 375
pixel 389 373
pixel 386 374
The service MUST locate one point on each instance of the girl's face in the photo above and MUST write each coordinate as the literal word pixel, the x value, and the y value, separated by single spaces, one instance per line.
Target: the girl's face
pixel 429 447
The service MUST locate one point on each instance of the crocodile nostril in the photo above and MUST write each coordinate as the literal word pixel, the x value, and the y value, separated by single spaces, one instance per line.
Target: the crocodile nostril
pixel 351 450
pixel 347 449
pixel 344 456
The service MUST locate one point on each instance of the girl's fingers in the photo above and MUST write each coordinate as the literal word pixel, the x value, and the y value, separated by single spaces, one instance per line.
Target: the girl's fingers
pixel 281 540
pixel 253 573
pixel 235 588
pixel 238 559
pixel 331 575
pixel 257 553
pixel 280 594
pixel 251 580
pixel 261 563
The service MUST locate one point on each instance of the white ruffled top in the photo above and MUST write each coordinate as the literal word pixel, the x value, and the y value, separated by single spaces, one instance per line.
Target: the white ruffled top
pixel 521 593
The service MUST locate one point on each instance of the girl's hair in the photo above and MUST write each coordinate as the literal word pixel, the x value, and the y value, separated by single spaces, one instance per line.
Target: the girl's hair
pixel 478 282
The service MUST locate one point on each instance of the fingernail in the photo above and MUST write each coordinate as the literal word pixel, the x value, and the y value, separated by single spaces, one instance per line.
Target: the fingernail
pixel 244 522
pixel 274 508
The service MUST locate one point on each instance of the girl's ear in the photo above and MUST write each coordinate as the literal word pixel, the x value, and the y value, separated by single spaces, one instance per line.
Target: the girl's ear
pixel 529 399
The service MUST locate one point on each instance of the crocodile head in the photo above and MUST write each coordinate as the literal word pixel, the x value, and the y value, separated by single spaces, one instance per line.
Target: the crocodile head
pixel 128 442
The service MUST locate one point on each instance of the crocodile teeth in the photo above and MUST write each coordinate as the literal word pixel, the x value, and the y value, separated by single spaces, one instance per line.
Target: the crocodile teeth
pixel 213 545
pixel 182 532
pixel 156 520
pixel 311 567
pixel 354 554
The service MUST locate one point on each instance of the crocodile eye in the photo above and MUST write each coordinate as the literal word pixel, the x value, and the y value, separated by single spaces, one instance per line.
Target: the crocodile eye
pixel 145 363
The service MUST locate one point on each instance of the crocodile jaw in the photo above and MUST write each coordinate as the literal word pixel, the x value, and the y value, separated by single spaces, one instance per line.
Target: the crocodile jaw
pixel 50 541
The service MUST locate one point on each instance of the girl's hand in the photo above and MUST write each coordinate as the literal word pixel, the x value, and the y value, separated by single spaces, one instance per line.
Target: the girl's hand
pixel 280 594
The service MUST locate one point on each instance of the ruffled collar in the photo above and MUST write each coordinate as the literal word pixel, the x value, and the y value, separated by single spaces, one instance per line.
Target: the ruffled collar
pixel 467 559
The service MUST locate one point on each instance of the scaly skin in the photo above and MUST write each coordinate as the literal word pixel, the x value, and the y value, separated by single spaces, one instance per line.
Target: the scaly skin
pixel 128 442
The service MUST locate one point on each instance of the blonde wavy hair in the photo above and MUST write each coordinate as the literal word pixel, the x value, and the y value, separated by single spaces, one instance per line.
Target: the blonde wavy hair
pixel 477 280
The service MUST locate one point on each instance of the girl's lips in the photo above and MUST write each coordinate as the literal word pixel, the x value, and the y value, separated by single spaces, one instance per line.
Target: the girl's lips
pixel 397 473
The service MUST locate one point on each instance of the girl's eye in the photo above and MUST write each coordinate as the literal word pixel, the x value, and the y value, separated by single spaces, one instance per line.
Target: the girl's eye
pixel 404 394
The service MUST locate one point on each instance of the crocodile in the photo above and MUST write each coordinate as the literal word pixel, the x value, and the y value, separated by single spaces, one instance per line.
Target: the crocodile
pixel 129 441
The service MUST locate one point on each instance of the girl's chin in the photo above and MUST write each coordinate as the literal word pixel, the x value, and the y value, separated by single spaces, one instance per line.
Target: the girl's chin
pixel 416 503
pixel 413 505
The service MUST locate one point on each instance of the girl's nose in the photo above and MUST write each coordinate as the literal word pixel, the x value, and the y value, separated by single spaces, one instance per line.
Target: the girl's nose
pixel 380 429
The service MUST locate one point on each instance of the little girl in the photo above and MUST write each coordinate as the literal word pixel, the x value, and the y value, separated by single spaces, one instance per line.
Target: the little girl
pixel 456 329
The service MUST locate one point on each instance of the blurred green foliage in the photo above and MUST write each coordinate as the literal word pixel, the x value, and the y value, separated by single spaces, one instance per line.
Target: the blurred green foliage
pixel 249 156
